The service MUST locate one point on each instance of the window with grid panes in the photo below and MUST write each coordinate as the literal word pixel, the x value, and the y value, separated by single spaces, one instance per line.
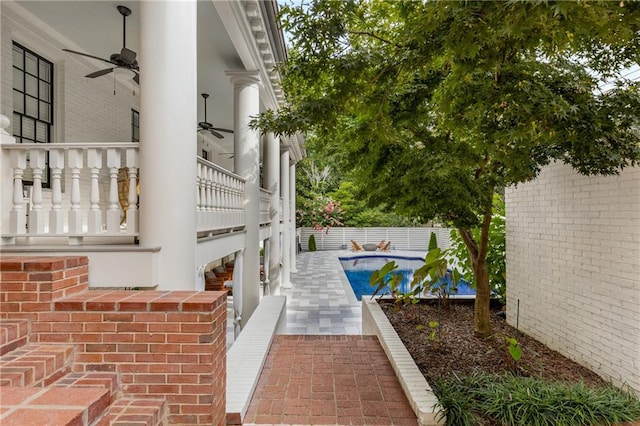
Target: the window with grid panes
pixel 135 126
pixel 32 101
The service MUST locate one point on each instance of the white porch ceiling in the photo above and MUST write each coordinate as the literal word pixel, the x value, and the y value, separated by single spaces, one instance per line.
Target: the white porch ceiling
pixel 95 27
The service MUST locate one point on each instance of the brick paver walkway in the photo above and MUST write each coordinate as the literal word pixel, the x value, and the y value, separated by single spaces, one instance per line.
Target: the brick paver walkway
pixel 314 379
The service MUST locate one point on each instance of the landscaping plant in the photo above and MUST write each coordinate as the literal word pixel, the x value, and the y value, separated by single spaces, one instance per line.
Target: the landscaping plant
pixel 514 400
pixel 312 243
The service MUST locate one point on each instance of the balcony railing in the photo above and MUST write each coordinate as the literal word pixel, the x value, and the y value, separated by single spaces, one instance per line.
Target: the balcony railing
pixel 90 190
pixel 219 198
pixel 265 206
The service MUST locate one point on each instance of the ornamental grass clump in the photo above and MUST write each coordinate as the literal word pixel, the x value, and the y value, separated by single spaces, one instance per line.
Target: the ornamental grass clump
pixel 482 398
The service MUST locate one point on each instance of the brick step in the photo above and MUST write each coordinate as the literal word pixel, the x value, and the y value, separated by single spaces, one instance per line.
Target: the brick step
pixel 52 406
pixel 127 411
pixel 14 333
pixel 91 379
pixel 35 364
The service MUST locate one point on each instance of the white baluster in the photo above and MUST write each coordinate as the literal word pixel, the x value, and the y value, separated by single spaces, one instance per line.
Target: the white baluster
pixel 94 163
pixel 75 214
pixel 132 210
pixel 56 215
pixel 226 203
pixel 208 172
pixel 113 211
pixel 18 218
pixel 215 199
pixel 240 194
pixel 199 197
pixel 36 215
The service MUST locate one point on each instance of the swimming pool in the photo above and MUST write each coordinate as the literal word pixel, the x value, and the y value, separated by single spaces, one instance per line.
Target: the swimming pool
pixel 359 268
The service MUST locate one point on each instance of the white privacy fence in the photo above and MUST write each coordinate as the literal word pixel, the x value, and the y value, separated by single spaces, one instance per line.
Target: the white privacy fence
pixel 401 238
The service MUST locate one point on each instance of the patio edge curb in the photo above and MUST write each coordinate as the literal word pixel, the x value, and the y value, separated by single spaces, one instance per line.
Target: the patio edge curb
pixel 415 386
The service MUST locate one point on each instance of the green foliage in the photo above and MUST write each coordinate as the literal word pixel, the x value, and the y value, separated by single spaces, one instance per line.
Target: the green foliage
pixel 320 213
pixel 515 400
pixel 318 186
pixel 434 333
pixel 432 277
pixel 496 251
pixel 433 241
pixel 434 106
pixel 385 277
pixel 514 348
pixel 312 243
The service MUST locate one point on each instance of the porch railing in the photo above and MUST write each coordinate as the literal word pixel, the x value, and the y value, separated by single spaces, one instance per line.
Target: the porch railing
pixel 219 197
pixel 89 175
pixel 265 206
pixel 77 190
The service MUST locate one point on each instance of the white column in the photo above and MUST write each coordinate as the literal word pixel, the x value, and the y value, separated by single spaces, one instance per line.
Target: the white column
pixel 272 183
pixel 246 91
pixel 6 180
pixel 168 117
pixel 292 216
pixel 285 281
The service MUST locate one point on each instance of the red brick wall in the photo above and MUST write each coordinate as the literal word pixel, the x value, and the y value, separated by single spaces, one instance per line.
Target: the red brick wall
pixel 162 344
pixel 29 284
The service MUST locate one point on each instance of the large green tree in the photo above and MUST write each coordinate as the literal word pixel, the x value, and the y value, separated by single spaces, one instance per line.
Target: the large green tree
pixel 436 105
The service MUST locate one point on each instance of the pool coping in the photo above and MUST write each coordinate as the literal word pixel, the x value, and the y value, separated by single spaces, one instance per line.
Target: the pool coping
pixel 415 386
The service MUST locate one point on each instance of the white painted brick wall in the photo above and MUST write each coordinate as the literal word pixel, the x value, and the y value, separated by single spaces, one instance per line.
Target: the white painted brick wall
pixel 85 110
pixel 573 262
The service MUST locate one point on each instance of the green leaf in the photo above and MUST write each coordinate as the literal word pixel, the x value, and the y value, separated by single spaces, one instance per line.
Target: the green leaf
pixel 455 275
pixel 373 278
pixel 432 256
pixel 516 352
pixel 391 266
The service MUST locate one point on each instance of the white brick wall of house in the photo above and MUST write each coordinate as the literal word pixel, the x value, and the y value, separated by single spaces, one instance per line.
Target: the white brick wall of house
pixel 573 263
pixel 85 110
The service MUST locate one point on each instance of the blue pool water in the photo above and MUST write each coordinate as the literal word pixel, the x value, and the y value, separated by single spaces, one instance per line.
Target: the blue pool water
pixel 359 269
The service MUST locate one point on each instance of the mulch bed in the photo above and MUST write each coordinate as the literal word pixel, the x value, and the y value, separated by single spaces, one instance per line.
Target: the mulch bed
pixel 460 352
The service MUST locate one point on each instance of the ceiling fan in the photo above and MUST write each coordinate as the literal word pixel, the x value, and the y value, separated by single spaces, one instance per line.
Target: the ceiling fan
pixel 125 59
pixel 208 127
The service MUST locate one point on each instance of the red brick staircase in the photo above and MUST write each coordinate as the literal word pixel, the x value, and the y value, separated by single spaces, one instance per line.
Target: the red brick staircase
pixel 74 356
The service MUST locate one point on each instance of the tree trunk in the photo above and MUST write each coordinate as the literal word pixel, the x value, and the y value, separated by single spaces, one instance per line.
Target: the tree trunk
pixel 482 313
pixel 478 257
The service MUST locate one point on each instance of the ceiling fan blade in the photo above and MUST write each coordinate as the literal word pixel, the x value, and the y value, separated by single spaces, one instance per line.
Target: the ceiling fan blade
pixel 127 56
pixel 88 56
pixel 219 129
pixel 99 73
pixel 216 134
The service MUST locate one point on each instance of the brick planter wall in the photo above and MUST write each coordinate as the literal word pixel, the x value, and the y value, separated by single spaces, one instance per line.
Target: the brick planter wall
pixel 161 343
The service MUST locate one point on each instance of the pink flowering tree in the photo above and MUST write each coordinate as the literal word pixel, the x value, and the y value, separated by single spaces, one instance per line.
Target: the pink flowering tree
pixel 320 213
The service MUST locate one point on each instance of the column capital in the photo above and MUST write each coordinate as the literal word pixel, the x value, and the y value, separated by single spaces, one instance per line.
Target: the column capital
pixel 240 78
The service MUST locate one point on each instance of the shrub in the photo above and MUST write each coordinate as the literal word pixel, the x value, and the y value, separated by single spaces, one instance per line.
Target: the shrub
pixel 312 243
pixel 515 400
pixel 433 241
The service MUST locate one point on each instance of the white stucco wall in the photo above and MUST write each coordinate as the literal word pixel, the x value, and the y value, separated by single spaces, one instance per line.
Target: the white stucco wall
pixel 573 263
